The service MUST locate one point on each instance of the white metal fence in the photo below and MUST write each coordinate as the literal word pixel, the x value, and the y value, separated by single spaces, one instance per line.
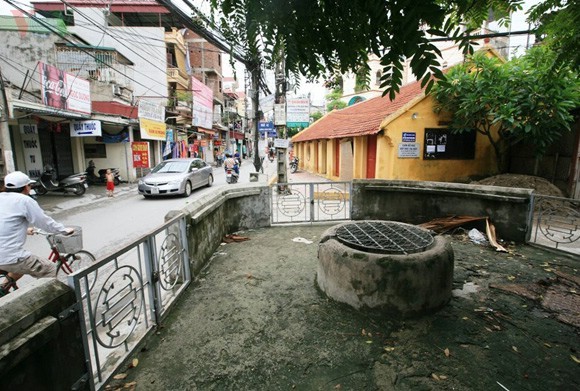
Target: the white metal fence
pixel 555 222
pixel 122 297
pixel 310 202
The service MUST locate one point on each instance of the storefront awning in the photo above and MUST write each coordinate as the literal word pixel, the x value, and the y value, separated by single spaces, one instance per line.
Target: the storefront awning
pixel 41 109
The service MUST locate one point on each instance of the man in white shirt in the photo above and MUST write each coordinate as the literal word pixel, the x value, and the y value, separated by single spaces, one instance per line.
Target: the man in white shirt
pixel 17 212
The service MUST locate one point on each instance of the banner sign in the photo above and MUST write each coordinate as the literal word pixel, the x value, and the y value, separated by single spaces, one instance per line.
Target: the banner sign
pixel 202 111
pixel 297 113
pixel 31 149
pixel 85 128
pixel 63 90
pixel 140 152
pixel 151 120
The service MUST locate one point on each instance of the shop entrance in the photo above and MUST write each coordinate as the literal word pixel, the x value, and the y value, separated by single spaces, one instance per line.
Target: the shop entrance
pixel 55 145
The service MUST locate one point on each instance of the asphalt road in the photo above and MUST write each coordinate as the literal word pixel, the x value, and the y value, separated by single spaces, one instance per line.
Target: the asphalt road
pixel 108 224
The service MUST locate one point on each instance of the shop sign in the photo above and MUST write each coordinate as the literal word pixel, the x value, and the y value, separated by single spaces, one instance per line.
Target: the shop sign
pixel 63 90
pixel 409 150
pixel 31 149
pixel 202 110
pixel 140 152
pixel 151 120
pixel 298 113
pixel 85 128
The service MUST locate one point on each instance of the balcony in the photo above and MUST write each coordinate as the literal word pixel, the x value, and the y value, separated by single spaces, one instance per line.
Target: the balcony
pixel 176 75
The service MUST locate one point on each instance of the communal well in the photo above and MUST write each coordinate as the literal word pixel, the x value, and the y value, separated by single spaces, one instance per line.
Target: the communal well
pixel 397 268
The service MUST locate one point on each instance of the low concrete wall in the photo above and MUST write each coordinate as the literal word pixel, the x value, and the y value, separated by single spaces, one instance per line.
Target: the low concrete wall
pixel 215 215
pixel 41 346
pixel 417 202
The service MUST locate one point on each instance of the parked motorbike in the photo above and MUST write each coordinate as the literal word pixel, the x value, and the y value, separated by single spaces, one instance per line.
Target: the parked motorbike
pixel 75 183
pixel 294 164
pixel 231 175
pixel 101 178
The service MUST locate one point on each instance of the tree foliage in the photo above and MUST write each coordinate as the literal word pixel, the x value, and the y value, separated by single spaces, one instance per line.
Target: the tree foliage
pixel 558 26
pixel 319 38
pixel 526 99
pixel 333 101
pixel 316 116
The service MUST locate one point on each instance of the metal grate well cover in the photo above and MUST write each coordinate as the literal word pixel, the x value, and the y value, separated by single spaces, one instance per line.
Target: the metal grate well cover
pixel 385 237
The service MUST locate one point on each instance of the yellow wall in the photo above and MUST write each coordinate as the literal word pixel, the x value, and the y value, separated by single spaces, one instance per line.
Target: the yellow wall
pixel 360 158
pixel 322 154
pixel 390 166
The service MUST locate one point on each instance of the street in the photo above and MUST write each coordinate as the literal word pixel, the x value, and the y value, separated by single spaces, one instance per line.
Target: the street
pixel 108 224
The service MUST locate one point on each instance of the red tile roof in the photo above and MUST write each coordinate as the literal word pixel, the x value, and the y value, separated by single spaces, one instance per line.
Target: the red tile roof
pixel 360 119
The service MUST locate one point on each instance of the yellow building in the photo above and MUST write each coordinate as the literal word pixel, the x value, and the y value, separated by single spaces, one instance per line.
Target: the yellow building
pixel 400 139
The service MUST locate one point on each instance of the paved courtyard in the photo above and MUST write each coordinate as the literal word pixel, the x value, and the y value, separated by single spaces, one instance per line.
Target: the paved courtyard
pixel 254 320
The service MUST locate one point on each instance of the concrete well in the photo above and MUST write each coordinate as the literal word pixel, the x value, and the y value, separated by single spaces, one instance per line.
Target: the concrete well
pixel 402 282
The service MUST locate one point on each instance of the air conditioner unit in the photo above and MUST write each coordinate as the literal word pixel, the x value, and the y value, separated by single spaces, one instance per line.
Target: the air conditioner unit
pixel 117 89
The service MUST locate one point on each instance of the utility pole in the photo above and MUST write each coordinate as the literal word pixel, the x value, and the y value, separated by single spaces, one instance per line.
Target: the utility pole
pixel 6 156
pixel 281 130
pixel 255 72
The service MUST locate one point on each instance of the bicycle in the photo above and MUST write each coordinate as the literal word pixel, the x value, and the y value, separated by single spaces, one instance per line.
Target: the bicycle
pixel 66 251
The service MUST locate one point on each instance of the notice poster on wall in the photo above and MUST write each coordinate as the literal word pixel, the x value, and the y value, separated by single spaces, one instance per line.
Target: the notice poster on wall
pixel 31 148
pixel 409 150
pixel 140 152
pixel 152 120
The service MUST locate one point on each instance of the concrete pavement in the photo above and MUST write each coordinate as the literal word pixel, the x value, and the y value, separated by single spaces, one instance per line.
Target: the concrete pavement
pixel 255 320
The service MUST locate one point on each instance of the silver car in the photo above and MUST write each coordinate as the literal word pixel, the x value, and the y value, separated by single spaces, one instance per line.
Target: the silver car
pixel 176 176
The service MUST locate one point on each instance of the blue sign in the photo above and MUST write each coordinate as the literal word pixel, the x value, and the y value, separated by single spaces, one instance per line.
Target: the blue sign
pixel 409 137
pixel 267 127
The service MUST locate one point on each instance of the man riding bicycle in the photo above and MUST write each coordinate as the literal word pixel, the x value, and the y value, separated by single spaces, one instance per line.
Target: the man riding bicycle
pixel 17 212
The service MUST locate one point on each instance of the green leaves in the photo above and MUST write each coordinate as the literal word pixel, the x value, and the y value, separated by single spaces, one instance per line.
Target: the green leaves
pixel 325 37
pixel 524 99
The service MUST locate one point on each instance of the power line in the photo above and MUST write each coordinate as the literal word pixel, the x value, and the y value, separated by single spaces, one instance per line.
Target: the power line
pixel 61 35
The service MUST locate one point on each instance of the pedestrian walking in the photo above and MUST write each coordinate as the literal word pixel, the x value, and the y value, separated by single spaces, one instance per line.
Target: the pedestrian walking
pixel 110 183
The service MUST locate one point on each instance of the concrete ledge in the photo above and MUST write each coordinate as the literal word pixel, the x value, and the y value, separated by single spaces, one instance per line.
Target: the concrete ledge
pixel 38 335
pixel 417 202
pixel 22 308
pixel 213 216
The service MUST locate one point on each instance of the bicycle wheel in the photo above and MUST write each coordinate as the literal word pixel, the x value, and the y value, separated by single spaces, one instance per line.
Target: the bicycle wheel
pixel 78 261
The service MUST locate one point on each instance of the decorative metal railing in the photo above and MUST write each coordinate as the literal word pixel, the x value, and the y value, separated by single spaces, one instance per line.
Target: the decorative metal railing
pixel 310 202
pixel 128 294
pixel 555 222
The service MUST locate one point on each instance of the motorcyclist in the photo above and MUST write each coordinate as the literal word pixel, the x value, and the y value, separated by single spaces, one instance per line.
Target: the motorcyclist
pixel 17 212
pixel 231 164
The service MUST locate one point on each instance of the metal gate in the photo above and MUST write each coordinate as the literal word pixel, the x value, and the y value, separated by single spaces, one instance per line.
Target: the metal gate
pixel 310 202
pixel 123 297
pixel 555 222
